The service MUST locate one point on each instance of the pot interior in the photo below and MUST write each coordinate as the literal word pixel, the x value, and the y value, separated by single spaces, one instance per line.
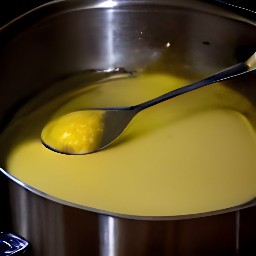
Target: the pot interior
pixel 56 48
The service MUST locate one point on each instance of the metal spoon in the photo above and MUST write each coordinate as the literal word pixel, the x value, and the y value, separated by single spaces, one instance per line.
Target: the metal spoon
pixel 116 119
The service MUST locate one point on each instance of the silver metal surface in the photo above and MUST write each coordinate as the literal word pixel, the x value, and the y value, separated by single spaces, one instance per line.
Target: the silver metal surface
pixel 67 37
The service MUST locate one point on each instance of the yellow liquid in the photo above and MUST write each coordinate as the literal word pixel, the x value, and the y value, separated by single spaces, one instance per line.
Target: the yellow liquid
pixel 193 154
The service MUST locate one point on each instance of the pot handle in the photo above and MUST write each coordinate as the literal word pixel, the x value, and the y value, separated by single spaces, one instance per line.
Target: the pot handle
pixel 11 244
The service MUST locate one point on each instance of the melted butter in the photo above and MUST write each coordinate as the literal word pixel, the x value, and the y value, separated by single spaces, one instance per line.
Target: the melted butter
pixel 77 132
pixel 195 153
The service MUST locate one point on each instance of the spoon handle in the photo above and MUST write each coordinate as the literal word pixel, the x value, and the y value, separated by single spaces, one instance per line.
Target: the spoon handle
pixel 236 70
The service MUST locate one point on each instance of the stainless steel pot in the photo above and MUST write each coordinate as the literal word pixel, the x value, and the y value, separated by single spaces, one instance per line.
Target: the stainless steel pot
pixel 66 37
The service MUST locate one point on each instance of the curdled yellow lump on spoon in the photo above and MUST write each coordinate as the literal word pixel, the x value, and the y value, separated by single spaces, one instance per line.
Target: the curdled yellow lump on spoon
pixel 76 132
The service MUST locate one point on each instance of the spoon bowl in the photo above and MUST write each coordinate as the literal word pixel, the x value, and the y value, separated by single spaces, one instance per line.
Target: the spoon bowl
pixel 111 122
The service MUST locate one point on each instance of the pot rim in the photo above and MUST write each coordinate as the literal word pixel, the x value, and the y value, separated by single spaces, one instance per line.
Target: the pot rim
pixel 121 215
pixel 196 5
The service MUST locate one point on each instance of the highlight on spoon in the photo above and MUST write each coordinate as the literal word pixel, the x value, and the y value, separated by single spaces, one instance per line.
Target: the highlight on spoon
pixel 78 132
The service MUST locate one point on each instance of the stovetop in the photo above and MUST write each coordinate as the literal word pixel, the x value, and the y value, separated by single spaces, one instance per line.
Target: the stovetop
pixel 10 9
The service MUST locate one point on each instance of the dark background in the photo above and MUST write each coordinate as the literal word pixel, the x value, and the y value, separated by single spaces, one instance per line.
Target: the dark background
pixel 10 9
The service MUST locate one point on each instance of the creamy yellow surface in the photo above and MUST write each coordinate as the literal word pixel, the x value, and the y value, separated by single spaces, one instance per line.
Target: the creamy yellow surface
pixel 77 132
pixel 195 153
